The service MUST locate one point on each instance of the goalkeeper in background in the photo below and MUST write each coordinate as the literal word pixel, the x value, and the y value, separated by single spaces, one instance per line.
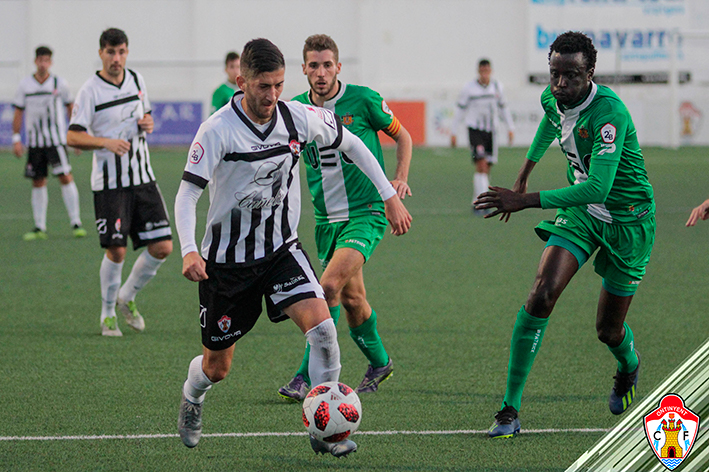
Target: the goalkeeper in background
pixel 609 207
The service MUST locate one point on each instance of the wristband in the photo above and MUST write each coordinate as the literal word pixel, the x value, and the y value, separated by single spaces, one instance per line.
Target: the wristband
pixel 16 138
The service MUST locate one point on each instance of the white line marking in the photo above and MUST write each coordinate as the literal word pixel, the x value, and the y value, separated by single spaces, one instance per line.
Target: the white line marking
pixel 283 434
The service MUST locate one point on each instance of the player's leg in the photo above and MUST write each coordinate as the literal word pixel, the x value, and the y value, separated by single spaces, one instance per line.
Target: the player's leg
pixel 149 227
pixel 110 277
pixel 560 261
pixel 70 193
pixel 36 169
pixel 479 150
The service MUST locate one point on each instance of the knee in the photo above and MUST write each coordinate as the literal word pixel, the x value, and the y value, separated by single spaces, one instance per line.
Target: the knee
pixel 542 299
pixel 160 250
pixel 332 290
pixel 352 302
pixel 609 335
pixel 216 371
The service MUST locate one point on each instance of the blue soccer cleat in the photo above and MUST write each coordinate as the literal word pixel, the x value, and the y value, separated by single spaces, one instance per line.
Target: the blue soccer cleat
pixel 506 423
pixel 624 390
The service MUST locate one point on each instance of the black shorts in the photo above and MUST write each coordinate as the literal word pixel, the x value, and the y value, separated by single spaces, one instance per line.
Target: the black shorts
pixel 231 298
pixel 138 212
pixel 481 144
pixel 39 160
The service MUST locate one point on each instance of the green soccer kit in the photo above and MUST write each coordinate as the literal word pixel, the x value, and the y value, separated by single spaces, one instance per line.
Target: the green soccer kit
pixel 222 95
pixel 339 189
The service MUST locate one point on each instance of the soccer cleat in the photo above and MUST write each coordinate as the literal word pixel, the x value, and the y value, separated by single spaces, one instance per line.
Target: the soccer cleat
pixel 373 377
pixel 189 423
pixel 34 235
pixel 78 231
pixel 623 392
pixel 340 449
pixel 295 390
pixel 130 312
pixel 506 423
pixel 109 327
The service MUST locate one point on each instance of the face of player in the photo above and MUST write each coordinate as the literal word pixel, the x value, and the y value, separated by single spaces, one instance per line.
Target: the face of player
pixel 322 69
pixel 261 94
pixel 569 77
pixel 43 64
pixel 485 72
pixel 114 60
pixel 233 68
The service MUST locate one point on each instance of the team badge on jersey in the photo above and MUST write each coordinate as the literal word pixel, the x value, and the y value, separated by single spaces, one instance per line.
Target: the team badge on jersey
pixel 196 153
pixel 608 133
pixel 385 108
pixel 583 132
pixel 224 323
pixel 671 430
pixel 294 147
pixel 347 119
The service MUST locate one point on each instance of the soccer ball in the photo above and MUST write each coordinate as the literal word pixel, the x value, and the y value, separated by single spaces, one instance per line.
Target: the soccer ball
pixel 331 412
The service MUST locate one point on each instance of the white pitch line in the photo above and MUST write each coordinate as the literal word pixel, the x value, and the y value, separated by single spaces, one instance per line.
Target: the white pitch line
pixel 283 434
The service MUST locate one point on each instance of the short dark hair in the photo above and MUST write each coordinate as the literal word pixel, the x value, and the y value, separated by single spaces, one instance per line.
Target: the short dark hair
pixel 42 51
pixel 113 37
pixel 261 55
pixel 231 56
pixel 320 42
pixel 484 62
pixel 572 42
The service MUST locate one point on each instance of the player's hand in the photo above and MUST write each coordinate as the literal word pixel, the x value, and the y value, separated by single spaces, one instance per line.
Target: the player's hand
pixel 146 123
pixel 503 200
pixel 117 146
pixel 402 188
pixel 398 216
pixel 18 149
pixel 699 213
pixel 194 267
pixel 454 140
pixel 520 186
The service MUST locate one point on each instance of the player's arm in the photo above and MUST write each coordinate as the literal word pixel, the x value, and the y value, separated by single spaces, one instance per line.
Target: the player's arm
pixel 404 147
pixel 193 266
pixel 78 137
pixel 460 107
pixel 699 213
pixel 146 123
pixel 396 213
pixel 17 147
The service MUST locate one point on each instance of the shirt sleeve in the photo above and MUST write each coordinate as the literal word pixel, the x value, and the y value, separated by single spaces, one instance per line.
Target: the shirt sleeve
pixel 83 112
pixel 19 101
pixel 203 157
pixel 147 107
pixel 546 133
pixel 64 92
pixel 186 216
pixel 594 190
pixel 380 116
pixel 504 109
pixel 363 158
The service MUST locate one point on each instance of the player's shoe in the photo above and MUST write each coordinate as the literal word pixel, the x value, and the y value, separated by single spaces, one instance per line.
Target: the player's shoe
pixel 506 423
pixel 295 390
pixel 373 377
pixel 130 312
pixel 189 423
pixel 623 392
pixel 109 327
pixel 340 449
pixel 34 235
pixel 78 231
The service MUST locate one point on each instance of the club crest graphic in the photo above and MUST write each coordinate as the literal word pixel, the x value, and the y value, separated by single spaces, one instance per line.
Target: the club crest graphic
pixel 671 430
pixel 224 323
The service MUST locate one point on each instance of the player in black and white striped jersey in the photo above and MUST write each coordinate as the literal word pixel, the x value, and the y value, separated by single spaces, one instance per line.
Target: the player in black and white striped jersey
pixel 247 153
pixel 41 100
pixel 114 106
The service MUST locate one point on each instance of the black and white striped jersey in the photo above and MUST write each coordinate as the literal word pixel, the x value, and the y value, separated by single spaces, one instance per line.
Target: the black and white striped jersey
pixel 44 106
pixel 481 107
pixel 253 177
pixel 113 111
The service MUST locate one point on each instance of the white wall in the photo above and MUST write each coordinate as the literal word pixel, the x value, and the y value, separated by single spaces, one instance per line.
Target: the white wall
pixel 405 49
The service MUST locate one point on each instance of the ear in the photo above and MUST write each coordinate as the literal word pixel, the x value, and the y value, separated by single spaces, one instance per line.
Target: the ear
pixel 590 73
pixel 339 68
pixel 304 71
pixel 240 82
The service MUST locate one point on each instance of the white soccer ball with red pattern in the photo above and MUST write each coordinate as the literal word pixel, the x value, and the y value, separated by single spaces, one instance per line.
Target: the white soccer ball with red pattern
pixel 332 411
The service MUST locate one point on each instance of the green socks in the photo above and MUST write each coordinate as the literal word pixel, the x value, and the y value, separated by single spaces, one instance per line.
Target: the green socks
pixel 526 339
pixel 303 370
pixel 625 352
pixel 369 342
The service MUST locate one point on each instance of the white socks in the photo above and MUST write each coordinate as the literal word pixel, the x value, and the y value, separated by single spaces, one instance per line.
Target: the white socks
pixel 480 184
pixel 143 271
pixel 324 364
pixel 70 194
pixel 110 274
pixel 197 383
pixel 39 207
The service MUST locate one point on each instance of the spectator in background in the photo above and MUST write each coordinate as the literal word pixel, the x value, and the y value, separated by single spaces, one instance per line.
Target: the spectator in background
pixel 223 93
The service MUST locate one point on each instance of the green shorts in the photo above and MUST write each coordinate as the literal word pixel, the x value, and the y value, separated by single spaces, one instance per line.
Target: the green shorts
pixel 362 233
pixel 623 250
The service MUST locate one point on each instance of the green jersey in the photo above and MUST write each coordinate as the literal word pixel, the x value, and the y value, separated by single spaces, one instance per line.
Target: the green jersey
pixel 339 189
pixel 222 95
pixel 606 168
